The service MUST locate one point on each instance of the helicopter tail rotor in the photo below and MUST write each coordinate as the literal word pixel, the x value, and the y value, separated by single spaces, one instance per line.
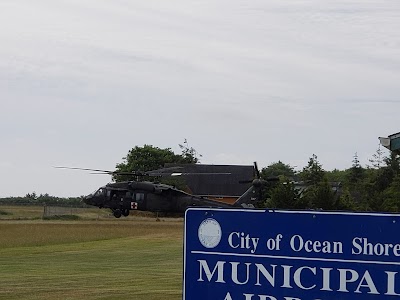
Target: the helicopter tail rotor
pixel 254 193
pixel 258 181
pixel 257 170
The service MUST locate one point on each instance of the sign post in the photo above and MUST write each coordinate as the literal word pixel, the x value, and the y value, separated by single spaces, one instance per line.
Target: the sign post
pixel 235 254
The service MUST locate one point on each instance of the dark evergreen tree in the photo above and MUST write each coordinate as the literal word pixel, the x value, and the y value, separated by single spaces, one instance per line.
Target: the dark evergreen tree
pixel 393 162
pixel 377 158
pixel 336 175
pixel 283 196
pixel 345 201
pixel 384 176
pixel 320 196
pixel 356 172
pixel 313 172
pixel 392 196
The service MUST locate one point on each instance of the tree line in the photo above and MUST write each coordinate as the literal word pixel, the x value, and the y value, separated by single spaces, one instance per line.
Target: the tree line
pixel 375 187
pixel 372 188
pixel 43 199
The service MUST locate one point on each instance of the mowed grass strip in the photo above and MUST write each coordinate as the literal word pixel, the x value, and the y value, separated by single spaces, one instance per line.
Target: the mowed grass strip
pixel 32 212
pixel 135 260
pixel 39 233
pixel 21 212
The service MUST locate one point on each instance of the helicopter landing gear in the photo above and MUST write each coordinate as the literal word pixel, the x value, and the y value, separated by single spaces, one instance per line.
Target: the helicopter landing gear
pixel 117 213
pixel 120 212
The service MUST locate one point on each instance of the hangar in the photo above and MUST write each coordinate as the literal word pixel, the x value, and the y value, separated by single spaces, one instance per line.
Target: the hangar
pixel 217 182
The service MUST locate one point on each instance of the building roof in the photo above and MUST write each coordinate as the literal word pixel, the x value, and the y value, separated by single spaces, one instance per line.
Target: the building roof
pixel 217 180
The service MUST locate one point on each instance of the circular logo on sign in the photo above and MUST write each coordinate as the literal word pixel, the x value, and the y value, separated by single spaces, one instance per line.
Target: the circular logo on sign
pixel 210 233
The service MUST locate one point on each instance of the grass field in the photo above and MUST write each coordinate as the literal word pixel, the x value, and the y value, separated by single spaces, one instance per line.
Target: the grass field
pixel 34 212
pixel 91 259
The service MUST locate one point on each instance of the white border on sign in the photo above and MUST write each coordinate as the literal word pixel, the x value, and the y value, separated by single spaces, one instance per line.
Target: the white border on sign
pixel 312 212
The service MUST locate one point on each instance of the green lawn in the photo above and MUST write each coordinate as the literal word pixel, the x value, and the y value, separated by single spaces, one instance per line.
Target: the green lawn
pixel 32 212
pixel 103 259
pixel 8 212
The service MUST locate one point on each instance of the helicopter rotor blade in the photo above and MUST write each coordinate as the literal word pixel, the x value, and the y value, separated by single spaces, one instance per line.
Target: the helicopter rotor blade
pixel 257 177
pixel 272 179
pixel 98 171
pixel 166 172
pixel 85 169
pixel 246 181
pixel 258 180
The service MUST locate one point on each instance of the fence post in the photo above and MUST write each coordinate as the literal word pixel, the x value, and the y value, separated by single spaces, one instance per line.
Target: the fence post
pixel 44 210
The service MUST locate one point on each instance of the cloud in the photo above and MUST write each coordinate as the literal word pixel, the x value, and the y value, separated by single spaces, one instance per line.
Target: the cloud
pixel 82 82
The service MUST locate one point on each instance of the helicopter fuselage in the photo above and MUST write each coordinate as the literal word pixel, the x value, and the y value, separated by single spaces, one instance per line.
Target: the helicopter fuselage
pixel 123 197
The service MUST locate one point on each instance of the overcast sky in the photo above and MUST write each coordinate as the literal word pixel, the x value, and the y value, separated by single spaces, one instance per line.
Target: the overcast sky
pixel 84 81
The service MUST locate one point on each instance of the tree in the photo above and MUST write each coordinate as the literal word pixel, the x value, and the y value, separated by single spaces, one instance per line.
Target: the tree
pixel 392 196
pixel 278 169
pixel 345 201
pixel 320 196
pixel 336 175
pixel 377 158
pixel 356 172
pixel 383 177
pixel 313 172
pixel 31 197
pixel 189 154
pixel 146 158
pixel 318 192
pixel 393 162
pixel 284 195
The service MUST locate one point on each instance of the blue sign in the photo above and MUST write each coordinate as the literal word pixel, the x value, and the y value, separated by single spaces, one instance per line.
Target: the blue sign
pixel 238 254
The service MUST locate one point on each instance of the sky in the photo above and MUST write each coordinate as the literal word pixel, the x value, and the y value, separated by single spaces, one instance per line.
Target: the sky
pixel 84 81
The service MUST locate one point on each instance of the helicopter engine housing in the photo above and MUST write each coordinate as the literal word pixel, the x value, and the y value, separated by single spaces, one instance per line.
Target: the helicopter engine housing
pixel 145 186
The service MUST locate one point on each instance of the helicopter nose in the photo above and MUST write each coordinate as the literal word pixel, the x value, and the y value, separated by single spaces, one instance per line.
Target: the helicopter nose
pixel 88 200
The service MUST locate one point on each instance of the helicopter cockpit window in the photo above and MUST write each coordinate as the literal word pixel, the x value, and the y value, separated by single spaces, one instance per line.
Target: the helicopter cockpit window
pixel 100 192
pixel 139 197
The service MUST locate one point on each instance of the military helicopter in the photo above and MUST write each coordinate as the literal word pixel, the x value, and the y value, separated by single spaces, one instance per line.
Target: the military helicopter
pixel 122 197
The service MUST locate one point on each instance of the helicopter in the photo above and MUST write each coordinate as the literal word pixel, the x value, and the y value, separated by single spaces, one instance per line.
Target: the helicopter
pixel 122 197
